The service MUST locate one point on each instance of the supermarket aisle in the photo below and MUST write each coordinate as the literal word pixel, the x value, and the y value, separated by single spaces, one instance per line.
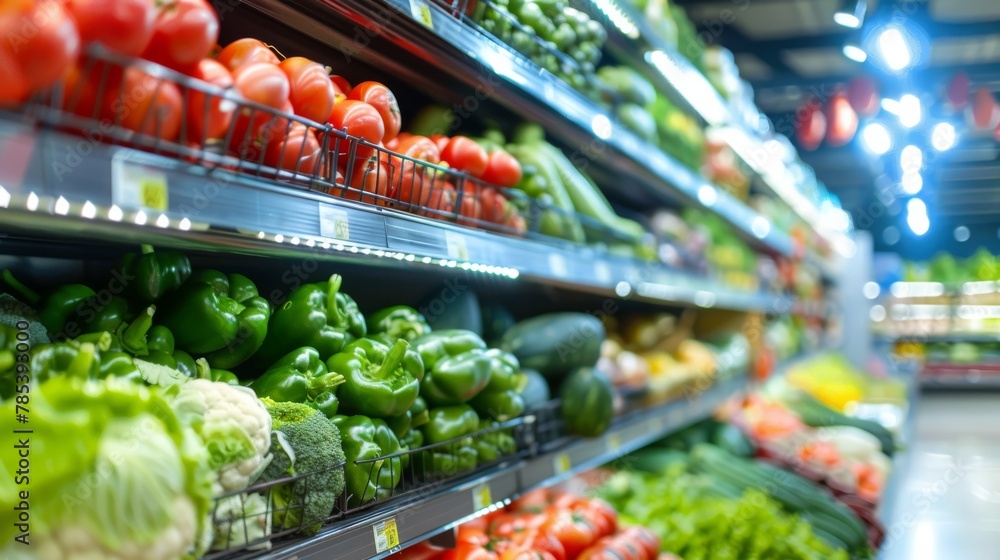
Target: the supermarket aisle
pixel 947 506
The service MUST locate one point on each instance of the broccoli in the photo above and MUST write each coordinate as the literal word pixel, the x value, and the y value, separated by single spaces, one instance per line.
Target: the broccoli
pixel 304 442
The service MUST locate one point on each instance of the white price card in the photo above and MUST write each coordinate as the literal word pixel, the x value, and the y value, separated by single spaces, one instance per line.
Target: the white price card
pixel 333 222
pixel 422 13
pixel 561 463
pixel 602 272
pixel 456 246
pixel 481 497
pixel 386 535
pixel 135 186
pixel 557 264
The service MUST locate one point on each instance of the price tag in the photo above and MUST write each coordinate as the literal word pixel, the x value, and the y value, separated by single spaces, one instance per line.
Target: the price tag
pixel 422 13
pixel 602 272
pixel 136 186
pixel 455 243
pixel 557 264
pixel 561 463
pixel 386 535
pixel 614 443
pixel 333 222
pixel 481 497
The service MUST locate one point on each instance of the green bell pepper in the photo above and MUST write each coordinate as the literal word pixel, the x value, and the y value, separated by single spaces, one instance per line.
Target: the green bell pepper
pixel 120 365
pixel 493 446
pixel 439 345
pixel 501 399
pixel 456 364
pixel 10 377
pixel 57 307
pixel 299 376
pixel 418 412
pixel 68 359
pixel 451 426
pixel 327 403
pixel 163 351
pixel 154 274
pixel 218 316
pixel 393 323
pixel 450 422
pixel 380 382
pixel 369 440
pixel 445 461
pixel 401 424
pixel 316 315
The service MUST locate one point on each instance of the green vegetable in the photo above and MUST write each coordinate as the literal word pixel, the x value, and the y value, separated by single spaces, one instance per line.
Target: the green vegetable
pixel 450 424
pixel 638 120
pixel 501 398
pixel 536 390
pixel 815 413
pixel 153 275
pixel 393 323
pixel 731 439
pixel 162 350
pixel 629 85
pixel 381 382
pixel 495 445
pixel 457 366
pixel 13 311
pixel 587 402
pixel 57 308
pixel 300 376
pixel 316 450
pixel 369 475
pixel 555 343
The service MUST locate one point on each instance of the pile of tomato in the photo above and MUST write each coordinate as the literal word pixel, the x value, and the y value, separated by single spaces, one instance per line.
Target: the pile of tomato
pixel 49 40
pixel 546 525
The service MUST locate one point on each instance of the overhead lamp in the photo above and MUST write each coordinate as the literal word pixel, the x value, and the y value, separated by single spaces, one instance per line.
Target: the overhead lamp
pixel 916 216
pixel 911 159
pixel 943 136
pixel 852 15
pixel 894 48
pixel 912 182
pixel 876 138
pixel 909 110
pixel 855 53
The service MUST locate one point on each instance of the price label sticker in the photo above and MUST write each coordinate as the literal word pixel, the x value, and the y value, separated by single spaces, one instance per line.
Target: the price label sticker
pixel 136 186
pixel 386 535
pixel 561 463
pixel 456 246
pixel 333 222
pixel 422 13
pixel 602 272
pixel 481 497
pixel 614 443
pixel 557 264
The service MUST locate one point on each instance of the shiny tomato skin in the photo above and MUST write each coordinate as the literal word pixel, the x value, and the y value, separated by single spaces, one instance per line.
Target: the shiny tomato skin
pixel 502 169
pixel 40 43
pixel 144 104
pixel 123 26
pixel 442 201
pixel 312 92
pixel 419 147
pixel 440 140
pixel 262 83
pixel 219 111
pixel 571 529
pixel 185 32
pixel 381 97
pixel 299 152
pixel 359 120
pixel 342 85
pixel 246 51
pixel 465 154
pixel 254 131
pixel 535 501
pixel 367 179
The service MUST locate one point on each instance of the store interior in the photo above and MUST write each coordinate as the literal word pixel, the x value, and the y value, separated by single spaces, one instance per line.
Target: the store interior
pixel 499 280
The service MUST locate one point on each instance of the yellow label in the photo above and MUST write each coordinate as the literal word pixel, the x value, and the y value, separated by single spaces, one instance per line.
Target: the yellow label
pixel 136 186
pixel 422 13
pixel 386 535
pixel 153 193
pixel 456 246
pixel 333 222
pixel 482 498
pixel 561 463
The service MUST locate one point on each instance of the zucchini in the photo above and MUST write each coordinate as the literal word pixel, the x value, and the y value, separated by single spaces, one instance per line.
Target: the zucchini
pixel 587 402
pixel 815 413
pixel 654 460
pixel 555 343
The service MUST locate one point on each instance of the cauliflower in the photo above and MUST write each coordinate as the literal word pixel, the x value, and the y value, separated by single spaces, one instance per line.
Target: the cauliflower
pixel 241 519
pixel 234 425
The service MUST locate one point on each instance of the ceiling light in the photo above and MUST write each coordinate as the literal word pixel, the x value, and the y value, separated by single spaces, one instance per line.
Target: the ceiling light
pixel 894 49
pixel 919 223
pixel 909 110
pixel 943 136
pixel 847 20
pixel 915 206
pixel 855 53
pixel 912 182
pixel 852 15
pixel 876 138
pixel 911 159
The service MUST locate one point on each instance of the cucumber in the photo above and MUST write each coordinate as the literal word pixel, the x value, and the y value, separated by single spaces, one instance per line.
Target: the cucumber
pixel 815 413
pixel 731 439
pixel 587 402
pixel 555 343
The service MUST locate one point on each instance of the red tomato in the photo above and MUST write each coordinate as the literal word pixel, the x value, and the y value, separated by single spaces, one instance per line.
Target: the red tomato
pixel 515 221
pixel 185 32
pixel 502 169
pixel 299 152
pixel 394 143
pixel 470 208
pixel 466 551
pixel 80 96
pixel 312 91
pixel 463 153
pixel 810 125
pixel 645 538
pixel 379 96
pixel 208 116
pixel 841 121
pixel 125 26
pixel 534 501
pixel 441 203
pixel 440 140
pixel 534 539
pixel 603 515
pixel 419 551
pixel 360 120
pixel 40 43
pixel 262 83
pixel 571 529
pixel 510 525
pixel 145 104
pixel 370 178
pixel 342 85
pixel 254 131
pixel 419 147
pixel 494 205
pixel 526 554
pixel 472 534
pixel 246 51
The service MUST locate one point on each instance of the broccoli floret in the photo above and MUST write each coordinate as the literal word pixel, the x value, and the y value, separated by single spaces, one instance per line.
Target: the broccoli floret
pixel 304 441
pixel 13 311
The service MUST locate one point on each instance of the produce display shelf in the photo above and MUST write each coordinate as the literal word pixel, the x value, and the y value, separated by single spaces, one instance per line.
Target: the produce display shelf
pixel 633 40
pixel 448 505
pixel 636 169
pixel 941 338
pixel 970 381
pixel 100 197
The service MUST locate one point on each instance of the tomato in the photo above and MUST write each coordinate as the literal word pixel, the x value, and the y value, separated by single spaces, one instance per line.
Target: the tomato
pixel 841 121
pixel 394 143
pixel 370 178
pixel 472 534
pixel 601 514
pixel 463 153
pixel 810 125
pixel 534 539
pixel 470 208
pixel 534 501
pixel 185 31
pixel 208 116
pixel 379 96
pixel 600 552
pixel 262 83
pixel 254 131
pixel 312 92
pixel 466 551
pixel 502 169
pixel 571 529
pixel 360 120
pixel 80 95
pixel 494 205
pixel 40 45
pixel 246 51
pixel 419 147
pixel 526 554
pixel 441 204
pixel 124 26
pixel 645 538
pixel 440 140
pixel 342 85
pixel 515 221
pixel 510 525
pixel 144 104
pixel 299 152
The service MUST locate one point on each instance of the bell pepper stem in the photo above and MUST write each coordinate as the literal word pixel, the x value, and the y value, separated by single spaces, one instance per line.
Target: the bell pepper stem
pixel 393 359
pixel 325 382
pixel 134 335
pixel 84 359
pixel 102 340
pixel 146 249
pixel 27 293
pixel 331 300
pixel 204 370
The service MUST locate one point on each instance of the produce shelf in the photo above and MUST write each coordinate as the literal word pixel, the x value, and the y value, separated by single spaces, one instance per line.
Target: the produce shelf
pixel 635 169
pixel 100 198
pixel 942 338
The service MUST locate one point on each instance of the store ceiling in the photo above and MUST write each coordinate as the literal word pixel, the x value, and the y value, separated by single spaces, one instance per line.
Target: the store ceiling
pixel 790 50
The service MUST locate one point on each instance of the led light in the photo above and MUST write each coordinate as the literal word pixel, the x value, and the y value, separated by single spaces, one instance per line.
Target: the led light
pixel 871 290
pixel 909 110
pixel 891 106
pixel 398 256
pixel 426 260
pixel 514 273
pixel 919 223
pixel 962 234
pixel 89 211
pixel 310 243
pixel 911 159
pixel 62 206
pixel 623 289
pixel 760 227
pixel 916 206
pixel 295 241
pixel 163 221
pixel 32 202
pixel 912 182
pixel 601 126
pixel 943 136
pixel 260 235
pixel 185 224
pixel 704 299
pixel 452 264
pixel 707 195
pixel 466 266
pixel 876 138
pixel 4 197
pixel 847 20
pixel 279 238
pixel 411 258
pixel 115 213
pixel 855 53
pixel 366 251
pixel 617 17
pixel 140 218
pixel 894 48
